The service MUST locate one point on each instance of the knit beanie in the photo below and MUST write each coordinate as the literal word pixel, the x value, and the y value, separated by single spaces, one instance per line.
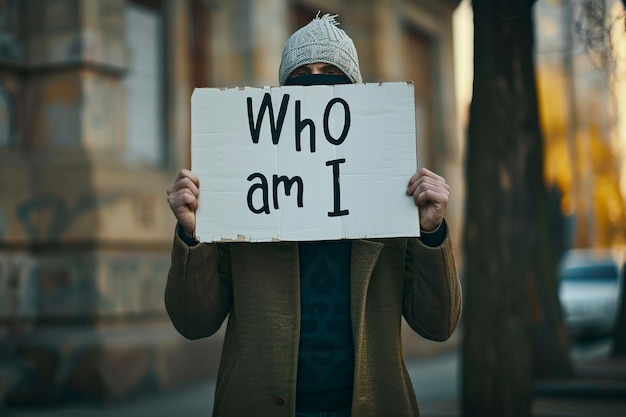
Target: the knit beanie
pixel 320 41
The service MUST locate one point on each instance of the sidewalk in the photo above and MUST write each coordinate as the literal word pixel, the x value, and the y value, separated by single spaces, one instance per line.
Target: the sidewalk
pixel 598 389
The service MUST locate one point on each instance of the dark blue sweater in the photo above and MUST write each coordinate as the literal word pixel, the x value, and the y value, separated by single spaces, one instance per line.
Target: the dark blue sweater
pixel 326 359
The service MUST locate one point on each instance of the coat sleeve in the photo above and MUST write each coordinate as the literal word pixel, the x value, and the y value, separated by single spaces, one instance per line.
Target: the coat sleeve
pixel 432 290
pixel 198 294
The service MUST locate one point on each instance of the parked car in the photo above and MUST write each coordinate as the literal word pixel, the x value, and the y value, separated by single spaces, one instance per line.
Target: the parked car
pixel 590 283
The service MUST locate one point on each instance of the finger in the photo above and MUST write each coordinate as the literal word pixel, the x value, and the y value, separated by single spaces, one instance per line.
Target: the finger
pixel 185 173
pixel 190 200
pixel 426 182
pixel 415 177
pixel 429 184
pixel 188 183
pixel 428 173
pixel 430 196
pixel 185 182
pixel 182 199
pixel 422 173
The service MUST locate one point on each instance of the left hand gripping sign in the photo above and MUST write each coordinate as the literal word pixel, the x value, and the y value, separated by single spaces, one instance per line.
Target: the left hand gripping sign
pixel 304 163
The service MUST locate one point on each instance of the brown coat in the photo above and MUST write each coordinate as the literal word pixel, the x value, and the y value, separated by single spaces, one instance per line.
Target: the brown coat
pixel 258 285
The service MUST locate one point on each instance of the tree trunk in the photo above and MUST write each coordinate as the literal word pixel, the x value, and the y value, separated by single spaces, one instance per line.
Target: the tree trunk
pixel 619 340
pixel 550 336
pixel 506 249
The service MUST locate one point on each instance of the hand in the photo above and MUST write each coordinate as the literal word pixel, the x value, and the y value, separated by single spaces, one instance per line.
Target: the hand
pixel 182 197
pixel 430 193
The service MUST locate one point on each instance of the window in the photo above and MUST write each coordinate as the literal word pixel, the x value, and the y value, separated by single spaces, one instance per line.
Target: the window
pixel 144 85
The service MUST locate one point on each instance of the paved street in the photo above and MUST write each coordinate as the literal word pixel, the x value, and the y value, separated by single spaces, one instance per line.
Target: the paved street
pixel 598 388
pixel 435 378
pixel 194 400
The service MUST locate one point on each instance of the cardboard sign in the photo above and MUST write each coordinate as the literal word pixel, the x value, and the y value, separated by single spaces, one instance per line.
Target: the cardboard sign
pixel 304 163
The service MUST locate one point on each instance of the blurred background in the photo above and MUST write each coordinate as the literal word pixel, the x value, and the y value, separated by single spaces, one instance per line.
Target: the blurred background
pixel 95 125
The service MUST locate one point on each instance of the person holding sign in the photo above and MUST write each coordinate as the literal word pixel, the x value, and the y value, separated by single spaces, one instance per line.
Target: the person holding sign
pixel 314 327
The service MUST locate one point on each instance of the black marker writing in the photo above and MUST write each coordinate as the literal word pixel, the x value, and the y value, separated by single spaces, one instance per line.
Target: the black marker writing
pixel 336 190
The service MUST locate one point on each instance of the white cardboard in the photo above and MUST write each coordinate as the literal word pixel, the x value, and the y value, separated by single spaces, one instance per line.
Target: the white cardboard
pixel 379 151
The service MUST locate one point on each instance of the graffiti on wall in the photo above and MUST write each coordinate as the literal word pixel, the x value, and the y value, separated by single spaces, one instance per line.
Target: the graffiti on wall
pixel 8 113
pixel 2 225
pixel 75 285
pixel 58 211
pixel 133 284
pixel 18 287
pixel 63 123
pixel 11 48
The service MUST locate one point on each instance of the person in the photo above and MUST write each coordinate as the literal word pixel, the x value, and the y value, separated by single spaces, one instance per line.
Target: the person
pixel 314 327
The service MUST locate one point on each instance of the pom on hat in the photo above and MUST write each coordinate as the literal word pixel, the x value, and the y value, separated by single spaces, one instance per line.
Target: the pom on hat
pixel 320 41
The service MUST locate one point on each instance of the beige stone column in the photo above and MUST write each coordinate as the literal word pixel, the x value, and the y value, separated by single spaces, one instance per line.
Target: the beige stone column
pixel 86 232
pixel 448 148
pixel 269 31
pixel 178 85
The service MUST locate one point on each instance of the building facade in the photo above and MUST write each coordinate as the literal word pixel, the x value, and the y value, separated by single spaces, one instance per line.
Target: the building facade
pixel 94 126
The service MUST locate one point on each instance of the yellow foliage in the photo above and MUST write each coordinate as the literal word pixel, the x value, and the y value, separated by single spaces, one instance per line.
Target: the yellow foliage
pixel 581 162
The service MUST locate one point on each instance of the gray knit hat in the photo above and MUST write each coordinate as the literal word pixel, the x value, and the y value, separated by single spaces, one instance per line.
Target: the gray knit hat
pixel 320 41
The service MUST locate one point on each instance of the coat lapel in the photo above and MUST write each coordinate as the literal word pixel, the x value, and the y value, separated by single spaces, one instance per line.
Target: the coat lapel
pixel 363 260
